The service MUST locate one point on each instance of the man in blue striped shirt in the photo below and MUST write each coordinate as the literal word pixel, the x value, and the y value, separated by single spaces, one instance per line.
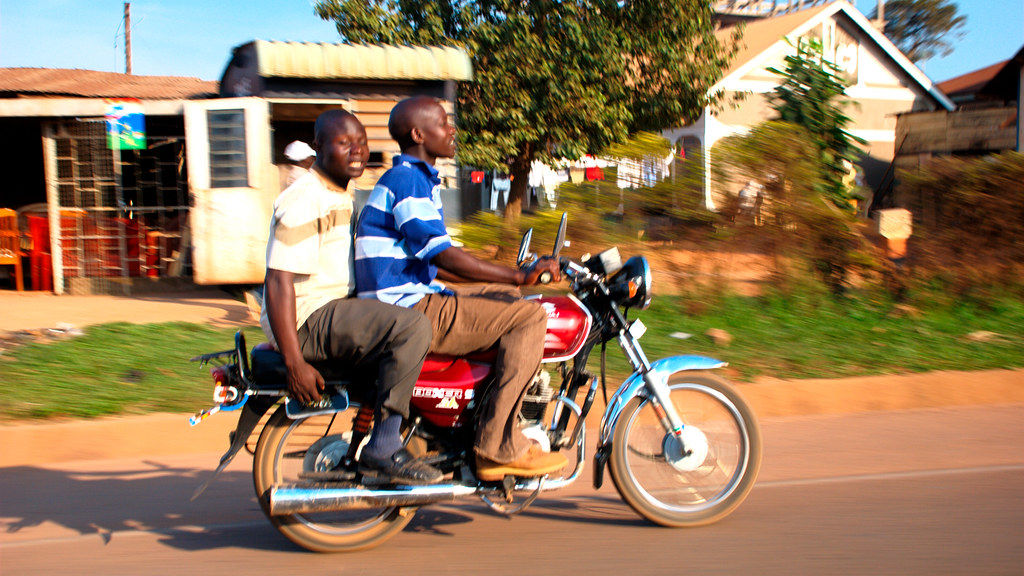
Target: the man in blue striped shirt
pixel 402 247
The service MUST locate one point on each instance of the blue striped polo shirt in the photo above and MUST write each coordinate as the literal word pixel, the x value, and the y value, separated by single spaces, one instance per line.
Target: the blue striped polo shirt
pixel 400 229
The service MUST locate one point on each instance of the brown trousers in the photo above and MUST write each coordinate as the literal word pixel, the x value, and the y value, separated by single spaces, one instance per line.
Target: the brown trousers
pixel 475 319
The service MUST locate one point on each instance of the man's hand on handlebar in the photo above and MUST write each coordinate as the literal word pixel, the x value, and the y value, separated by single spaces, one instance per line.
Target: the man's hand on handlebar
pixel 304 382
pixel 542 271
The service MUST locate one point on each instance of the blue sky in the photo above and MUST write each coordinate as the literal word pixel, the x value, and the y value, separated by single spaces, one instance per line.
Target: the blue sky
pixel 195 37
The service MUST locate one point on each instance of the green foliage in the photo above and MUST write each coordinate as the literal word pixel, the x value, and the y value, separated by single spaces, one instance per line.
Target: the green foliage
pixel 810 96
pixel 113 369
pixel 799 224
pixel 969 212
pixel 920 27
pixel 555 78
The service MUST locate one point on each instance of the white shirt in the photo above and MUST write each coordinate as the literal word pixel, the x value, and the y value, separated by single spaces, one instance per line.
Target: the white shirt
pixel 311 236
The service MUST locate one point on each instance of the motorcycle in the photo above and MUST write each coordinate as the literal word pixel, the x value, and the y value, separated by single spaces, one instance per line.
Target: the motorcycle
pixel 681 445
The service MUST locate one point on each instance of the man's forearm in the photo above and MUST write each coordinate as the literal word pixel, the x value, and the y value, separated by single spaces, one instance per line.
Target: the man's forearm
pixel 279 297
pixel 462 264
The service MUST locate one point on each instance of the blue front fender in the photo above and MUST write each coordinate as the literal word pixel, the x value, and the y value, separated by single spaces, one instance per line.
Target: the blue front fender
pixel 634 385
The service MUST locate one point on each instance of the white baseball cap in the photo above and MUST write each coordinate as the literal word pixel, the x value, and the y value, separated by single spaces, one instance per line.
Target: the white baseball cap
pixel 298 151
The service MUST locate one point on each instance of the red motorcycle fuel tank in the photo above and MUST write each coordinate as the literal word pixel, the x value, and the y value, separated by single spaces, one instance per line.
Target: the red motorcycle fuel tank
pixel 447 385
pixel 568 325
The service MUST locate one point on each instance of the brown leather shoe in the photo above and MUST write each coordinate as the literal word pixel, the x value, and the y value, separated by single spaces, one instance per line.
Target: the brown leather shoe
pixel 535 462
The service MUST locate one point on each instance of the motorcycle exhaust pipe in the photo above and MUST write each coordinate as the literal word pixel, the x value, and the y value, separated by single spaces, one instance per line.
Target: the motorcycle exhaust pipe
pixel 298 499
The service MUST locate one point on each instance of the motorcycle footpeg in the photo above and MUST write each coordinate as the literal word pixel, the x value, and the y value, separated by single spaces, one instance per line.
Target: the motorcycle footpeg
pixel 508 485
pixel 329 476
pixel 344 471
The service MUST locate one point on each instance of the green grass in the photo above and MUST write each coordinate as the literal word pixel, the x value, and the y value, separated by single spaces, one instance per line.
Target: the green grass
pixel 817 336
pixel 124 368
pixel 113 369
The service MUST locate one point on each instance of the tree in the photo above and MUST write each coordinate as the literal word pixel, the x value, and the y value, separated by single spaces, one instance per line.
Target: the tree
pixel 555 78
pixel 810 96
pixel 919 27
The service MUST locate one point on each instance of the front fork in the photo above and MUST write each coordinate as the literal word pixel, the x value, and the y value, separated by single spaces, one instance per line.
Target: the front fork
pixel 649 380
pixel 657 388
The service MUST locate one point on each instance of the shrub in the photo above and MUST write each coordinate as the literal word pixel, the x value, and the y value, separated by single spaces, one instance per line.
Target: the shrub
pixel 799 226
pixel 968 216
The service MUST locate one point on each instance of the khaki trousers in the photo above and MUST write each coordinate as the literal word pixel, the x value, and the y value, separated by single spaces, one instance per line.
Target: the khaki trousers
pixel 476 318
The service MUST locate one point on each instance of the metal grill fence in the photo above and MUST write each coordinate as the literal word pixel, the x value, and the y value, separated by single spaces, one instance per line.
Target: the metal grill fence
pixel 123 213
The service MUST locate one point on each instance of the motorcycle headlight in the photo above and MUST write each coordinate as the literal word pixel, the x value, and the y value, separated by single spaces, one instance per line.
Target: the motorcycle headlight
pixel 631 285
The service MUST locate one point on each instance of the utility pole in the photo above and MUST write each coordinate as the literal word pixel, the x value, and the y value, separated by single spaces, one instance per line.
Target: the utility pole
pixel 880 20
pixel 127 38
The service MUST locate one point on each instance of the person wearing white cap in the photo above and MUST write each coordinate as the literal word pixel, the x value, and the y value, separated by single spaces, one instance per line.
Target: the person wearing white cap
pixel 300 158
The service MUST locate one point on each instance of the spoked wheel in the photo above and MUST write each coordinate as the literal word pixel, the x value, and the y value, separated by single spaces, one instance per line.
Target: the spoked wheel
pixel 288 447
pixel 705 479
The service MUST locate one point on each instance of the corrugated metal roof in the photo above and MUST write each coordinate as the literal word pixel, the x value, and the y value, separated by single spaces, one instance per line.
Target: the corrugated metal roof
pixel 329 61
pixel 95 84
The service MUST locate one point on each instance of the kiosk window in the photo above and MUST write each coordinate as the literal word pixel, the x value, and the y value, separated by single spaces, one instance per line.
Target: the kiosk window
pixel 228 166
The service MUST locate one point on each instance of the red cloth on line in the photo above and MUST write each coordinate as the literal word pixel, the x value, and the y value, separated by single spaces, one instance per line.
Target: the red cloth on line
pixel 594 173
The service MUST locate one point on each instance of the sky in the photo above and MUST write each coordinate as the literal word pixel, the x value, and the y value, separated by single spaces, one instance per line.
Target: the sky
pixel 195 37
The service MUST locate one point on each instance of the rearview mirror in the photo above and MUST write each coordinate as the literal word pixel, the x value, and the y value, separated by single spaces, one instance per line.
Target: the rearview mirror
pixel 560 238
pixel 524 247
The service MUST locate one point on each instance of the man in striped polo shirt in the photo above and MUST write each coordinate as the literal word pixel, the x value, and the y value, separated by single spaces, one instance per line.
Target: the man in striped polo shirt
pixel 402 247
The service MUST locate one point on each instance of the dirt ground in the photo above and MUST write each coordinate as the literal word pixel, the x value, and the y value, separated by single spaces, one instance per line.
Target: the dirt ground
pixel 41 311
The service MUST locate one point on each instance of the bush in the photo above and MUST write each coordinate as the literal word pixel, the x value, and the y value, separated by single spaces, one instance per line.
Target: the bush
pixel 968 216
pixel 797 225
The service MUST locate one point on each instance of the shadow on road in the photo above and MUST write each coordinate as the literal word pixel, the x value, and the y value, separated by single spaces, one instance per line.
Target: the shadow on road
pixel 40 503
pixel 151 497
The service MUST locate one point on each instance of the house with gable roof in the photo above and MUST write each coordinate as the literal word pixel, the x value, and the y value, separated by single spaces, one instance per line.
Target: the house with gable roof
pixel 883 82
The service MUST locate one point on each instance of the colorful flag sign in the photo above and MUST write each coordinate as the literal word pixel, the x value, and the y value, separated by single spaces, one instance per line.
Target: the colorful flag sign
pixel 126 124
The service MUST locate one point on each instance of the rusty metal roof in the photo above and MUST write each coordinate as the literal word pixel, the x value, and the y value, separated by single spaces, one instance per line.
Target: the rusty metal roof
pixel 972 82
pixel 95 84
pixel 324 61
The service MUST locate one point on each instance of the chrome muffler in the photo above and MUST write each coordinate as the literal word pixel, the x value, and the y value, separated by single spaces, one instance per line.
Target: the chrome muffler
pixel 299 499
pixel 305 499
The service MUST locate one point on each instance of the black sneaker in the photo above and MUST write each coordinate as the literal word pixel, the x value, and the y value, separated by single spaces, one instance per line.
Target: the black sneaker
pixel 400 468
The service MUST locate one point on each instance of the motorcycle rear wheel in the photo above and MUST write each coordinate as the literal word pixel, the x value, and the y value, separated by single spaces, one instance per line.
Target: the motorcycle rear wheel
pixel 723 444
pixel 287 447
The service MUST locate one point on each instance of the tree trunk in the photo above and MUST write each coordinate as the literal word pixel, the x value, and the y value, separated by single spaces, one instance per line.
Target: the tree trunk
pixel 520 171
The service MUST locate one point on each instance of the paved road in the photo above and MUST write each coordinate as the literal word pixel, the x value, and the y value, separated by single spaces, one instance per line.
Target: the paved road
pixel 915 492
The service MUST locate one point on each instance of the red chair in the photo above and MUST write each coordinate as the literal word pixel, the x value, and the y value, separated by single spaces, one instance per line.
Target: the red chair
pixel 40 261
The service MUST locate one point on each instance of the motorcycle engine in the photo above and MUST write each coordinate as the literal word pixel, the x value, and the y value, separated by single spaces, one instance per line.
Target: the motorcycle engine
pixel 538 395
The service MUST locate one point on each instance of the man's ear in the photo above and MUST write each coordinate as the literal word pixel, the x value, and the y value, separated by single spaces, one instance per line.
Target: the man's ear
pixel 417 135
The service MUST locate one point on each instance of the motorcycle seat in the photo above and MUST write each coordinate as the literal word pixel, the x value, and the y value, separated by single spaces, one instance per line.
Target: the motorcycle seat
pixel 269 372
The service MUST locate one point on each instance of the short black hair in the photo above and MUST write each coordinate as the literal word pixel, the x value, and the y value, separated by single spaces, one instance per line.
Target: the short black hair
pixel 405 116
pixel 328 120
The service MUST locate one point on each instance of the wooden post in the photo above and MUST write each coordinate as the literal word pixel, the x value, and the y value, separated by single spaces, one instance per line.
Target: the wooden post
pixel 127 38
pixel 53 206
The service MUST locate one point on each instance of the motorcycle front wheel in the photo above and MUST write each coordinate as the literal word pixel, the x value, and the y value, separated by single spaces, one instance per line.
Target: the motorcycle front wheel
pixel 289 447
pixel 708 475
